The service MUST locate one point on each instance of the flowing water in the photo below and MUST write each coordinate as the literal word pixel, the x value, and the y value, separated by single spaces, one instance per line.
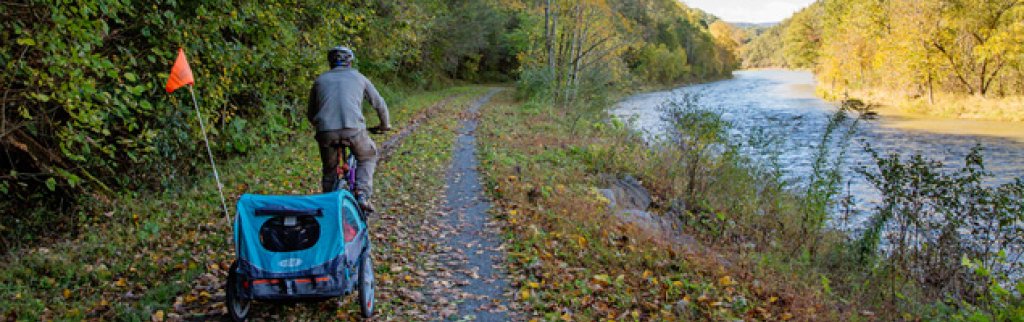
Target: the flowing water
pixel 782 104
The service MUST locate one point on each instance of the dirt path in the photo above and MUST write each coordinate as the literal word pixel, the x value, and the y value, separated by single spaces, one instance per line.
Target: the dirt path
pixel 472 249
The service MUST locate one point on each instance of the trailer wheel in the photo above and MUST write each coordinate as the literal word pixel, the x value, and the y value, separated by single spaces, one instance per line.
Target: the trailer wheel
pixel 366 284
pixel 238 308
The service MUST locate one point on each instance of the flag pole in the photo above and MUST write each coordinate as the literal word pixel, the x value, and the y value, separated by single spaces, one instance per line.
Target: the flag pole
pixel 216 176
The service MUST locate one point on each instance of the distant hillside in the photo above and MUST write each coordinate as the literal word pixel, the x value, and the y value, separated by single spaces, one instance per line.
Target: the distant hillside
pixel 751 25
pixel 791 43
pixel 750 31
pixel 764 49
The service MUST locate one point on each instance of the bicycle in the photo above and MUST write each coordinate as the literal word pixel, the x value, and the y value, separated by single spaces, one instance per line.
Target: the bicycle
pixel 281 257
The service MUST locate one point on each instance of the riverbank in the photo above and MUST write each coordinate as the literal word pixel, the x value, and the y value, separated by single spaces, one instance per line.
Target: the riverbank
pixel 574 256
pixel 949 114
pixel 781 110
pixel 942 105
pixel 770 194
pixel 907 120
pixel 655 87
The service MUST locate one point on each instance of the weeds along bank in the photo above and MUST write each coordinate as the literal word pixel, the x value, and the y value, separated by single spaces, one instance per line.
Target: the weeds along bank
pixel 749 244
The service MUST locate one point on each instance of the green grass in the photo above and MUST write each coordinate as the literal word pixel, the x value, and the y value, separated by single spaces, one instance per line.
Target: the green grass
pixel 146 251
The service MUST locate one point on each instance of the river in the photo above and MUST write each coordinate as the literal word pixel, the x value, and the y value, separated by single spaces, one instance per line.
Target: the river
pixel 782 104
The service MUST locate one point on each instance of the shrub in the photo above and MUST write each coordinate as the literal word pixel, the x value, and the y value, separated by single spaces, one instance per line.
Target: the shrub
pixel 950 232
pixel 535 83
pixel 694 131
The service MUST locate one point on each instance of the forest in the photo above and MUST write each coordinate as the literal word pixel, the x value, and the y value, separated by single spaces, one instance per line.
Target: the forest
pixel 85 118
pixel 926 53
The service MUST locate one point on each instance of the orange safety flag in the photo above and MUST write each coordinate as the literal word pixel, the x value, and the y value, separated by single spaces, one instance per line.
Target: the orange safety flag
pixel 181 74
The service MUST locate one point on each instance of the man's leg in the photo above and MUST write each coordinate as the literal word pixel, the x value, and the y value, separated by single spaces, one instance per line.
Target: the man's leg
pixel 329 143
pixel 366 153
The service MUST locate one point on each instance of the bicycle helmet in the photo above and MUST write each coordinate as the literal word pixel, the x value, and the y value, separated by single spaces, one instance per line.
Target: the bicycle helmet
pixel 340 56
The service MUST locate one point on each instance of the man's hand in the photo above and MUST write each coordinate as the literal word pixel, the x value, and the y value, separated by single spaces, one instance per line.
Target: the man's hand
pixel 380 129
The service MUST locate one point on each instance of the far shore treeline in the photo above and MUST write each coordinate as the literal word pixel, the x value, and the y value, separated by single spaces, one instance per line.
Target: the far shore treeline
pixel 959 58
pixel 85 118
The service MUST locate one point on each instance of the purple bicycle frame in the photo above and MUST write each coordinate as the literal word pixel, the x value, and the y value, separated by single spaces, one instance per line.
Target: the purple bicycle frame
pixel 347 160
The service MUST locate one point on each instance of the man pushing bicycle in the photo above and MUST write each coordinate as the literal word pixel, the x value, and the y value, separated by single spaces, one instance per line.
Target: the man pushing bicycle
pixel 335 110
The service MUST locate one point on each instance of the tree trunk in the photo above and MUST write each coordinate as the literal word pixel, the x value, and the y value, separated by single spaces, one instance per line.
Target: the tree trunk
pixel 580 38
pixel 931 85
pixel 931 89
pixel 570 71
pixel 43 158
pixel 549 35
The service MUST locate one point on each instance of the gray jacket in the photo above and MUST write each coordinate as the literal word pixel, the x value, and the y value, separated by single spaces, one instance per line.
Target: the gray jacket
pixel 336 100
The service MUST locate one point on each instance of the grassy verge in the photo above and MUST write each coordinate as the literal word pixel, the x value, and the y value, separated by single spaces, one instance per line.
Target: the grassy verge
pixel 573 260
pixel 164 254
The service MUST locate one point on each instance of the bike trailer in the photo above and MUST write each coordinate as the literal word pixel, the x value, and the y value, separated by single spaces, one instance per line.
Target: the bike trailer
pixel 299 247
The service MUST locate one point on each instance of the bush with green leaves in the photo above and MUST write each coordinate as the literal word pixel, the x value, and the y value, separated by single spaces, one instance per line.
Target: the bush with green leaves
pixel 954 234
pixel 695 132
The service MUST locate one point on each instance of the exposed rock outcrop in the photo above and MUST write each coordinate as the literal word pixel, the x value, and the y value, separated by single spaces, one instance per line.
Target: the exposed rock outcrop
pixel 629 202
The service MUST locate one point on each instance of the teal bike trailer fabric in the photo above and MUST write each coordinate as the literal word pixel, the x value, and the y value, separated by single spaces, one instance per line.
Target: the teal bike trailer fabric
pixel 305 246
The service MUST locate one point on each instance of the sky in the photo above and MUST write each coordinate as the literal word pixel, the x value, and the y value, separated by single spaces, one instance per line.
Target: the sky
pixel 750 10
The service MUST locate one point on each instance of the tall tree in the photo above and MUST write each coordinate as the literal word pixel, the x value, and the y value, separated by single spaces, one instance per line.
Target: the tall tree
pixel 979 40
pixel 802 39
